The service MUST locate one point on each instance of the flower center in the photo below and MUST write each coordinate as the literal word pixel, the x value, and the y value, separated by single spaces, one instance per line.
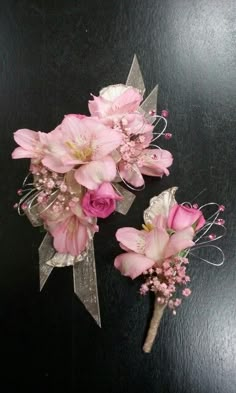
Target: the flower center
pixel 80 153
pixel 147 227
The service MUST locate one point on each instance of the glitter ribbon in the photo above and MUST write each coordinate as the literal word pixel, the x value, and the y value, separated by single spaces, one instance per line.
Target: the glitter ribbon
pixel 84 273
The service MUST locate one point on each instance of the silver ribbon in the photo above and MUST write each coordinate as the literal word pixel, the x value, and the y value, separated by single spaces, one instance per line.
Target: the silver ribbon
pixel 84 273
pixel 135 79
pixel 124 205
pixel 84 267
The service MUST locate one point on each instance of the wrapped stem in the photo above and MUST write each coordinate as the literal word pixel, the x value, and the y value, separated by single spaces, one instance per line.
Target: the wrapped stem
pixel 154 325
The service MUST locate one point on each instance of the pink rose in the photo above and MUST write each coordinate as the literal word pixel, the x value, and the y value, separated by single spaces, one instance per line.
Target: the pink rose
pixel 182 217
pixel 100 202
pixel 115 100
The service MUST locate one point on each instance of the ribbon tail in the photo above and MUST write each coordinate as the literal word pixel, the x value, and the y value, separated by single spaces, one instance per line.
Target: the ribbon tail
pixel 149 104
pixel 135 77
pixel 46 252
pixel 125 204
pixel 85 283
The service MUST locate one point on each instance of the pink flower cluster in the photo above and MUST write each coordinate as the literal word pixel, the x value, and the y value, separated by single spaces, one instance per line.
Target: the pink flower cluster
pixel 164 281
pixel 118 107
pixel 157 250
pixel 167 236
pixel 75 164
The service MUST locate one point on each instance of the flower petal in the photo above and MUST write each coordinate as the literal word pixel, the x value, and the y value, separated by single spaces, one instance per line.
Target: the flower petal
pixel 200 223
pixel 156 242
pixel 69 236
pixel 172 213
pixel 128 101
pixel 77 241
pixel 132 264
pixel 115 100
pixel 132 239
pixel 106 190
pixel 156 162
pixel 181 217
pixel 131 174
pixel 99 107
pixel 94 173
pixel 138 125
pixel 179 242
pixel 75 128
pixel 104 140
pixel 19 152
pixel 26 138
pixel 55 164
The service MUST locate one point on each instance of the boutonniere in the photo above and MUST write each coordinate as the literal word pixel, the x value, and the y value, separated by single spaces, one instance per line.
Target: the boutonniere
pixel 161 251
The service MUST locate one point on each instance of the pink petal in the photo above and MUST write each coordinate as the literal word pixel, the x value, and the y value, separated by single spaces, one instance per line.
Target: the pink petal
pixel 94 173
pixel 104 140
pixel 201 222
pixel 172 213
pixel 131 174
pixel 115 100
pixel 160 221
pixel 132 239
pixel 19 152
pixel 128 101
pixel 55 164
pixel 73 127
pixel 70 237
pixel 157 240
pixel 77 115
pixel 106 190
pixel 26 138
pixel 132 264
pixel 138 125
pixel 59 233
pixel 156 162
pixel 179 242
pixel 181 217
pixel 76 242
pixel 99 107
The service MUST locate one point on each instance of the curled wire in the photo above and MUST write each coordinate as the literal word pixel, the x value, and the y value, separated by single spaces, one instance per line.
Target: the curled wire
pixel 200 243
pixel 127 184
pixel 159 134
pixel 206 260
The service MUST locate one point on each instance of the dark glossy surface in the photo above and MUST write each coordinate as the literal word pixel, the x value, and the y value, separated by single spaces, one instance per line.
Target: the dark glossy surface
pixel 52 55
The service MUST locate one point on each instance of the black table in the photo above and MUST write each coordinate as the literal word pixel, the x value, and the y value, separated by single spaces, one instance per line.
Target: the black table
pixel 53 55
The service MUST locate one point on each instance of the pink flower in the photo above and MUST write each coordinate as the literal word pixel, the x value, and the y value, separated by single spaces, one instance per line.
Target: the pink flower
pixel 148 248
pixel 85 143
pixel 78 115
pixel 71 231
pixel 152 162
pixel 144 289
pixel 32 145
pixel 155 162
pixel 137 127
pixel 177 302
pixel 118 107
pixel 186 292
pixel 101 202
pixel 115 100
pixel 181 217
